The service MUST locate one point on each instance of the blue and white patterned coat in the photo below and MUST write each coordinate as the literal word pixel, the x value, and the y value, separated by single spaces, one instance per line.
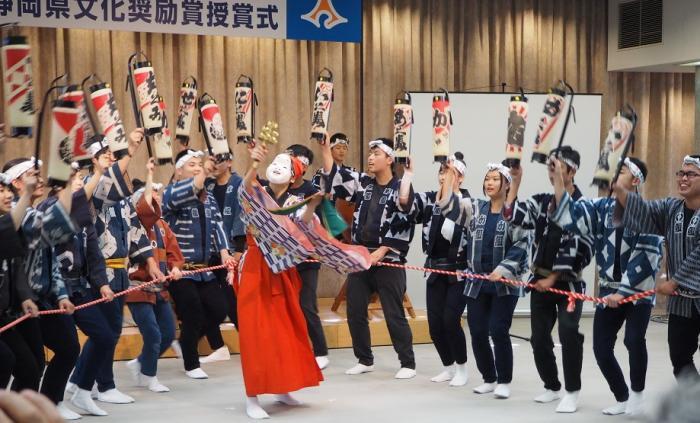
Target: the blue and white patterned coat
pixel 640 254
pixel 119 230
pixel 233 225
pixel 180 201
pixel 396 227
pixel 42 231
pixel 510 249
pixel 665 217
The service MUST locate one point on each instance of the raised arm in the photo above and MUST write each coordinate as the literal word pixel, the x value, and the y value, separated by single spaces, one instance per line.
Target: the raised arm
pixel 643 216
pixel 135 139
pixel 579 217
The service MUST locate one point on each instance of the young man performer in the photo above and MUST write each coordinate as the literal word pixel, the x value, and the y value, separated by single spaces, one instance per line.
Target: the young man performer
pixel 123 242
pixel 677 220
pixel 340 145
pixel 303 188
pixel 559 258
pixel 193 215
pixel 223 183
pixel 499 250
pixel 627 263
pixel 382 225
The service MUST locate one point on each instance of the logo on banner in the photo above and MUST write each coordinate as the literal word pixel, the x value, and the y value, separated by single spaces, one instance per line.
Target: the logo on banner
pixel 324 8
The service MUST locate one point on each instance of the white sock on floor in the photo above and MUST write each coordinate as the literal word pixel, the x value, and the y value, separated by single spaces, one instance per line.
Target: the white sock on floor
pixel 568 404
pixel 635 404
pixel 254 410
pixel 616 409
pixel 322 361
pixel 84 402
pixel 358 369
pixel 66 413
pixel 461 375
pixel 405 373
pixel 221 354
pixel 548 396
pixel 502 391
pixel 445 375
pixel 197 373
pixel 287 399
pixel 485 388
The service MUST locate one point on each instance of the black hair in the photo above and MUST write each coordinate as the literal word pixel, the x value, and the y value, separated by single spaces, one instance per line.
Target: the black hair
pixel 568 153
pixel 182 153
pixel 299 150
pixel 503 180
pixel 137 184
pixel 641 165
pixel 339 135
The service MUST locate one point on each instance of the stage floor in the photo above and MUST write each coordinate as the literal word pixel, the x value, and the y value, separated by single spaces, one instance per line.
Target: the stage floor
pixel 379 397
pixel 334 326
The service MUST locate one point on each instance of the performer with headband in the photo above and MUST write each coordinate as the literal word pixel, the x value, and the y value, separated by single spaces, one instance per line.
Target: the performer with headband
pixel 15 293
pixel 381 224
pixel 56 332
pixel 193 215
pixel 150 306
pixel 445 247
pixel 499 250
pixel 223 183
pixel 308 272
pixel 559 257
pixel 123 241
pixel 677 220
pixel 340 145
pixel 627 263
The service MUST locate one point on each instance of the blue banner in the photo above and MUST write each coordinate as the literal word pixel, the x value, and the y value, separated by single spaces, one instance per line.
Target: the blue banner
pixel 321 20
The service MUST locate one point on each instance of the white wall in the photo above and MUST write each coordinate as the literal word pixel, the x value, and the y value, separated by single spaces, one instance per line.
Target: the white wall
pixel 681 32
pixel 479 131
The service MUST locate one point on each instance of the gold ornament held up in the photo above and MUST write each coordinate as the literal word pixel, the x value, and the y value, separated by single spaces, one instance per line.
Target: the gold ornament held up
pixel 269 135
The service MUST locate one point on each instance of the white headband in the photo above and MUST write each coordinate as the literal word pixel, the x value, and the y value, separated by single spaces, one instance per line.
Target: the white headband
pixel 302 159
pixel 380 145
pixel 501 169
pixel 634 170
pixel 4 179
pixel 95 148
pixel 338 141
pixel 19 169
pixel 565 160
pixel 191 154
pixel 458 165
pixel 687 160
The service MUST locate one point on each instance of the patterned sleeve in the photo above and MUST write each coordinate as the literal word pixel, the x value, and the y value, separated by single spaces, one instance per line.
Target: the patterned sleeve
pixel 47 229
pixel 646 217
pixel 687 274
pixel 181 194
pixel 111 189
pixel 139 245
pixel 515 260
pixel 97 270
pixel 420 202
pixel 524 213
pixel 575 253
pixel 237 227
pixel 58 285
pixel 459 210
pixel 578 217
pixel 220 238
pixel 642 266
pixel 344 182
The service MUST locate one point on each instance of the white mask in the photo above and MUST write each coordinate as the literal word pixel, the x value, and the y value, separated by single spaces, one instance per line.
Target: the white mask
pixel 279 172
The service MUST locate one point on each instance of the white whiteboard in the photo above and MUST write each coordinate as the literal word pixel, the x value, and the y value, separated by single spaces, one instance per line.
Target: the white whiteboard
pixel 479 132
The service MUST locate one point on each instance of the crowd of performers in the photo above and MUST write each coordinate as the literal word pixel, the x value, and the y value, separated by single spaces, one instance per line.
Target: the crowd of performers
pixel 105 233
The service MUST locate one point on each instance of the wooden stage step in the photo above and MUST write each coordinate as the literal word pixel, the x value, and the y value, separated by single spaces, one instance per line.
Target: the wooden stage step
pixel 334 326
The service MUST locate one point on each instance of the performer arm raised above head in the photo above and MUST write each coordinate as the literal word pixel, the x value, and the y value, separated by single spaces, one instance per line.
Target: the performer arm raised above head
pixel 521 213
pixel 580 217
pixel 458 209
pixel 640 215
pixel 343 182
